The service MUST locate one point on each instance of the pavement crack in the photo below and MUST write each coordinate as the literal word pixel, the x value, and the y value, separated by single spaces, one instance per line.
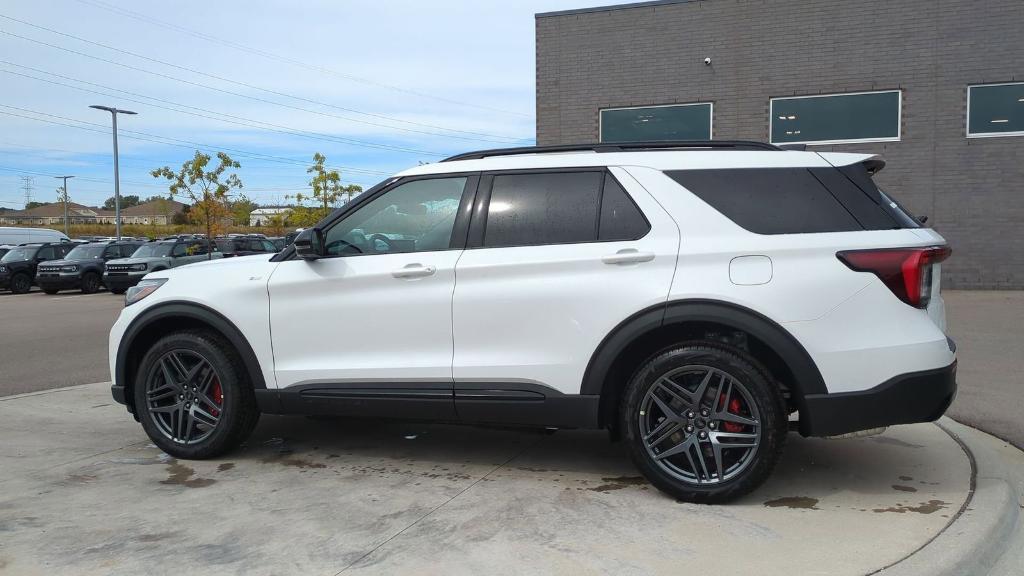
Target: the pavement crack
pixel 442 505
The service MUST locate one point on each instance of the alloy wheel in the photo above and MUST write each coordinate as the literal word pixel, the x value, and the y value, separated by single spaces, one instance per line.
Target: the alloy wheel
pixel 184 397
pixel 700 425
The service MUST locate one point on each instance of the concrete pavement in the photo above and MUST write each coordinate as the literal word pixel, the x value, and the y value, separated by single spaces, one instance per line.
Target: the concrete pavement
pixel 82 491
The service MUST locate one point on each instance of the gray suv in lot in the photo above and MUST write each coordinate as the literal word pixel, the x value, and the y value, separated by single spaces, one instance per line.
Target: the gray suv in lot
pixel 120 275
pixel 83 267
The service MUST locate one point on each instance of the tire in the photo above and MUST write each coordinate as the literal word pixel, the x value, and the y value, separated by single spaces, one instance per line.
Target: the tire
pixel 51 291
pixel 163 415
pixel 677 439
pixel 118 290
pixel 21 284
pixel 90 283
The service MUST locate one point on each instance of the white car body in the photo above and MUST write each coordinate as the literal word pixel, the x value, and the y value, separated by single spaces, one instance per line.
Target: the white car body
pixel 15 235
pixel 534 317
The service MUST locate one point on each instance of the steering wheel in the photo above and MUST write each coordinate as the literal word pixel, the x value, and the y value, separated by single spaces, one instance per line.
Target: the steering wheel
pixel 378 236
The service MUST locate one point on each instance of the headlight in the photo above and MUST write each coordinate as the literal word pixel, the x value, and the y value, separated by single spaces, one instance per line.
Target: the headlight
pixel 138 267
pixel 70 268
pixel 142 289
pixel 3 268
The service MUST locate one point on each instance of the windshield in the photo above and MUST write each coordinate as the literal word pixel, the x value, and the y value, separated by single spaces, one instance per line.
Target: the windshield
pixel 151 250
pixel 20 254
pixel 87 252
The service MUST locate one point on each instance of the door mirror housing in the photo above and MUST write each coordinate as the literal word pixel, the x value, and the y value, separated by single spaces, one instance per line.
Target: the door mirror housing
pixel 309 244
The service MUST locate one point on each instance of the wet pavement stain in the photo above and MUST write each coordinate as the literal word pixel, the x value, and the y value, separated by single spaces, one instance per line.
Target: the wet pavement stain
pixel 924 508
pixel 906 478
pixel 904 488
pixel 181 475
pixel 225 466
pixel 894 442
pixel 618 483
pixel 285 459
pixel 795 502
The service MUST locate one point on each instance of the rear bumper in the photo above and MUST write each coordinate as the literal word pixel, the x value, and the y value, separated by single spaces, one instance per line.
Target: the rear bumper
pixel 904 399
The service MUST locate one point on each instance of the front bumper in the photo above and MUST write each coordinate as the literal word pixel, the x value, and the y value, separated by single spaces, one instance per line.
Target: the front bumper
pixel 904 399
pixel 61 281
pixel 125 280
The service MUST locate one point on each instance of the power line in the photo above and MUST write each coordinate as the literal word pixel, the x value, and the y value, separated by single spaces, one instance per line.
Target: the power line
pixel 490 137
pixel 287 60
pixel 240 121
pixel 157 139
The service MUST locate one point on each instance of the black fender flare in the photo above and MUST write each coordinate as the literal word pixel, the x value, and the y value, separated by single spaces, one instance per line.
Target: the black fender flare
pixel 193 311
pixel 807 379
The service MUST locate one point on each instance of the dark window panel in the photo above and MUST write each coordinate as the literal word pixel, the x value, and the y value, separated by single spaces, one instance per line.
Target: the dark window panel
pixel 996 110
pixel 868 116
pixel 620 217
pixel 656 123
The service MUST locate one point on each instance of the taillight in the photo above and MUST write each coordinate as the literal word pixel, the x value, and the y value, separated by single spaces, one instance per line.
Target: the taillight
pixel 906 271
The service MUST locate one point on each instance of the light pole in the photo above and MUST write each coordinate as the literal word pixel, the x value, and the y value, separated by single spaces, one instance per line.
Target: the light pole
pixel 117 187
pixel 64 197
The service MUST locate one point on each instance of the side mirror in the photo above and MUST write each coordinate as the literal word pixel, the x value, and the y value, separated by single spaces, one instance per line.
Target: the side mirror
pixel 309 244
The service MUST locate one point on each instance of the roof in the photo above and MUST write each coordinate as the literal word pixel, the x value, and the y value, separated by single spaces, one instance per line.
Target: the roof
pixel 613 7
pixel 272 210
pixel 52 210
pixel 154 208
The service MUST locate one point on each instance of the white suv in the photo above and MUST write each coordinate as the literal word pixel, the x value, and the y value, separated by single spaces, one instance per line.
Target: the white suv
pixel 698 300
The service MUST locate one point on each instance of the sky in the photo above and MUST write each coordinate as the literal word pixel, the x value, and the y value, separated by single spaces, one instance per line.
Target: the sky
pixel 376 86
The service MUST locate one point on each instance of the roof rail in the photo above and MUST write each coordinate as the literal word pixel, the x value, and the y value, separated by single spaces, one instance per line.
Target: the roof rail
pixel 616 147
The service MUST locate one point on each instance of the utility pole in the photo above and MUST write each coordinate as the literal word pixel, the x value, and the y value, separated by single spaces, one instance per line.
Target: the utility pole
pixel 27 187
pixel 64 196
pixel 117 185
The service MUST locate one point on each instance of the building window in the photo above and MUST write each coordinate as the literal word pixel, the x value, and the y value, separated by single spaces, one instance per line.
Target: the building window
pixel 836 118
pixel 657 123
pixel 995 110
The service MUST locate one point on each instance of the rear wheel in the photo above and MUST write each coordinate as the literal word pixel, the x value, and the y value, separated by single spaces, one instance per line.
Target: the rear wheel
pixel 21 284
pixel 704 423
pixel 193 396
pixel 90 283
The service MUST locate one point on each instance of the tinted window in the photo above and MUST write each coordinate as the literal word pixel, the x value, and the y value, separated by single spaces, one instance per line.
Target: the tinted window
pixel 416 216
pixel 684 122
pixel 268 246
pixel 620 218
pixel 87 252
pixel 769 200
pixel 179 250
pixel 836 118
pixel 46 253
pixel 154 250
pixel 548 208
pixel 20 254
pixel 128 249
pixel 995 110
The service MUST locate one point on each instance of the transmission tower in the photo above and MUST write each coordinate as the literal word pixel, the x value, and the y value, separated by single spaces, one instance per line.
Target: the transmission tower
pixel 28 186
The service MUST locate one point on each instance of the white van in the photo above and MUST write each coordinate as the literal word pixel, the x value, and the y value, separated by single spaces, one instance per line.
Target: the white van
pixel 14 235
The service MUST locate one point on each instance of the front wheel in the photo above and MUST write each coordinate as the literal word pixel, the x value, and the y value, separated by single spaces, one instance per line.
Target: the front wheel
pixel 21 284
pixel 90 283
pixel 193 396
pixel 704 422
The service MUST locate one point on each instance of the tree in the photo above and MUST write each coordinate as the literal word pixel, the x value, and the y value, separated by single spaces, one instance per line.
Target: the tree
pixel 326 186
pixel 208 189
pixel 126 202
pixel 32 205
pixel 241 208
pixel 352 190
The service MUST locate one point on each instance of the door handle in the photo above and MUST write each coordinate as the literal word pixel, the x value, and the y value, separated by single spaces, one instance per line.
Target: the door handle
pixel 414 271
pixel 628 256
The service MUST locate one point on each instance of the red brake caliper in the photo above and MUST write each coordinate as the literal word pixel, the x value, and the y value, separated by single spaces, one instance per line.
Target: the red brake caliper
pixel 734 408
pixel 218 396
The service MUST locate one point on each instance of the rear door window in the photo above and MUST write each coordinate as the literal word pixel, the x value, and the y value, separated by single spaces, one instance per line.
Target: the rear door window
pixel 543 208
pixel 620 217
pixel 770 200
pixel 45 253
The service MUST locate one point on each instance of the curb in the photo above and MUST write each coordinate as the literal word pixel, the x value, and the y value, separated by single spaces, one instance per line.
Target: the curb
pixel 987 536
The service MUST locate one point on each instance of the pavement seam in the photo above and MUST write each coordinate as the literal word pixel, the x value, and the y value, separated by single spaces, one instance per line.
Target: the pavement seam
pixel 50 391
pixel 443 504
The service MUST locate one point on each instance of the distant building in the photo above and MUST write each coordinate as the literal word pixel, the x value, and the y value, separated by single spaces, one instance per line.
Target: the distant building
pixel 262 216
pixel 160 212
pixel 155 212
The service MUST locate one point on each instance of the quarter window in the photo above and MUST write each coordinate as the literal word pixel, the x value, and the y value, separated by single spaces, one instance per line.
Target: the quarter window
pixel 995 110
pixel 620 218
pixel 657 123
pixel 416 216
pixel 836 118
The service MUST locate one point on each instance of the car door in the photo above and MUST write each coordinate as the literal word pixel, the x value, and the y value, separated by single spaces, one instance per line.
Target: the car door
pixel 555 260
pixel 368 327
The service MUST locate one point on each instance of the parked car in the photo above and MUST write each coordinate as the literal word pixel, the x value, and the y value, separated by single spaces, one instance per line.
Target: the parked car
pixel 244 246
pixel 18 266
pixel 83 267
pixel 4 249
pixel 689 297
pixel 122 274
pixel 15 235
pixel 290 237
pixel 279 243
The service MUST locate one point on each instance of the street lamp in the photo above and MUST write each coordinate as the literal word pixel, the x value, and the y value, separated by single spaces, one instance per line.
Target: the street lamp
pixel 117 187
pixel 65 199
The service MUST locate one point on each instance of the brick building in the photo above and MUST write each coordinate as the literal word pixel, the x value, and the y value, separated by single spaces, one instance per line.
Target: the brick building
pixel 934 86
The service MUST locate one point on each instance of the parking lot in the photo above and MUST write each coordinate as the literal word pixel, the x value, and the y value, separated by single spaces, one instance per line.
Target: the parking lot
pixel 85 492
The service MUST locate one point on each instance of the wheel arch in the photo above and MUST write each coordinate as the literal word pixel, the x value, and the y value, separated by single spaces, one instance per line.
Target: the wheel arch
pixel 166 317
pixel 647 332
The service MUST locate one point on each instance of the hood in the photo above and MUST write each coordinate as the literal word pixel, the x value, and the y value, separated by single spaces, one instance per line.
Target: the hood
pixel 146 260
pixel 66 262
